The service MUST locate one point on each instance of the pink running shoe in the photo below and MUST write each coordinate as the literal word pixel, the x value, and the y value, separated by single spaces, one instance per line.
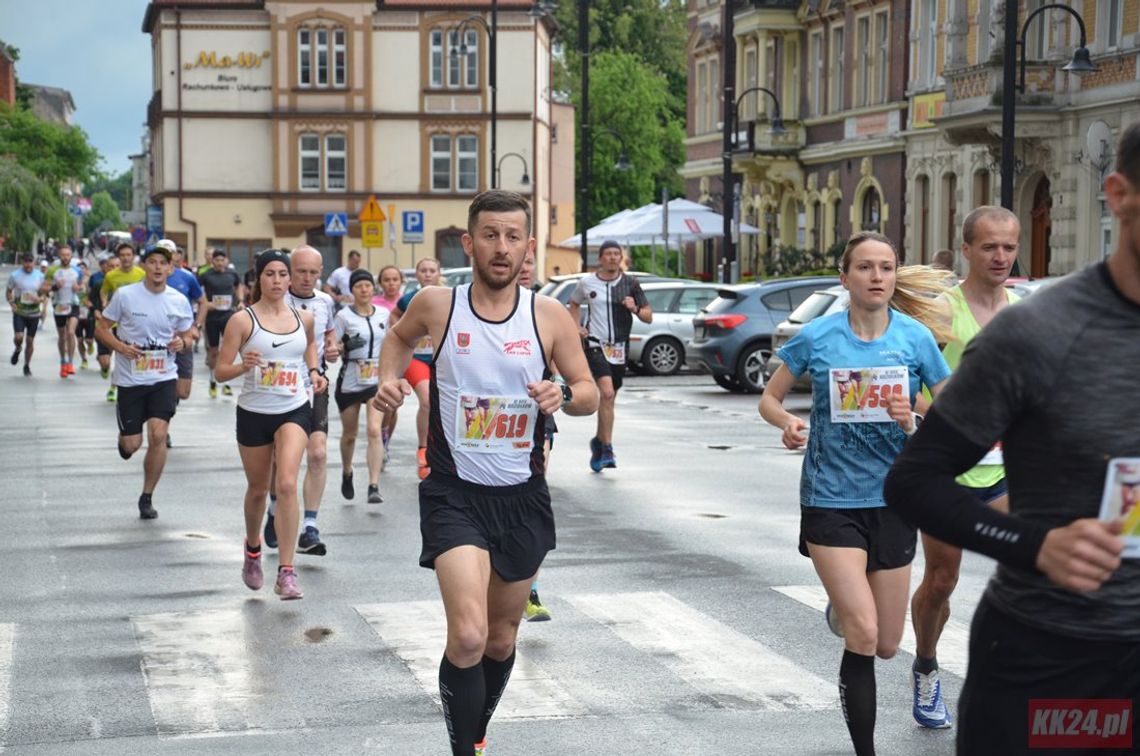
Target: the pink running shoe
pixel 251 572
pixel 286 586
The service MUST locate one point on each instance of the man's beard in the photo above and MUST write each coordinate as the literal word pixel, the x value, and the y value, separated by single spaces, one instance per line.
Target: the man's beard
pixel 484 274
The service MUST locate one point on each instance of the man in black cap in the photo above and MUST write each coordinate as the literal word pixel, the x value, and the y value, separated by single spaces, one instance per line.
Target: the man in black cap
pixel 613 299
pixel 154 322
pixel 224 294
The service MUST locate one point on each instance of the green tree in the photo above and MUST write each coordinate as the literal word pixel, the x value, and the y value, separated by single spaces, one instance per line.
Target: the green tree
pixel 644 40
pixel 119 187
pixel 628 96
pixel 54 152
pixel 29 207
pixel 104 210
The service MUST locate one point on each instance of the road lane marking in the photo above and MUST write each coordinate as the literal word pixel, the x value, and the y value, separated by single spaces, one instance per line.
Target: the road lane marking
pixel 417 632
pixel 7 650
pixel 196 666
pixel 722 663
pixel 953 646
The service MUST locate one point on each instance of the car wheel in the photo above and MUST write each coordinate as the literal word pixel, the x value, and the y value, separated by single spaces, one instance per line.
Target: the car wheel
pixel 750 368
pixel 726 382
pixel 662 356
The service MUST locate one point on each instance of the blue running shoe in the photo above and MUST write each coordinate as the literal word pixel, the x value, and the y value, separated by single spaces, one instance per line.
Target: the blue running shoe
pixel 310 542
pixel 608 459
pixel 595 455
pixel 929 708
pixel 269 535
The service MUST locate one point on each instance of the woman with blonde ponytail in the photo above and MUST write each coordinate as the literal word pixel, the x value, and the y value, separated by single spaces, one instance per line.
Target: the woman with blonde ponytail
pixel 866 364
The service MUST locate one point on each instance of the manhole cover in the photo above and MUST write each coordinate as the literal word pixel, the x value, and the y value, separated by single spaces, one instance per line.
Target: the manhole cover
pixel 317 634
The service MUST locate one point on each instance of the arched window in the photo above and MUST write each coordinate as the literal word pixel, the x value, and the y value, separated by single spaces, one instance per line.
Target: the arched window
pixel 322 56
pixel 872 210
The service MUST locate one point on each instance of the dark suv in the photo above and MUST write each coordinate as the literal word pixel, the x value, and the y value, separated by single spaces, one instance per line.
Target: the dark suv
pixel 732 337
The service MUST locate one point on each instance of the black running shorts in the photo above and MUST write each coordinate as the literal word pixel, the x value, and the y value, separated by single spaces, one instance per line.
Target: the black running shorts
pixel 22 322
pixel 86 329
pixel 1012 663
pixel 184 360
pixel 61 320
pixel 880 531
pixel 344 400
pixel 137 404
pixel 320 423
pixel 515 524
pixel 602 368
pixel 215 326
pixel 258 429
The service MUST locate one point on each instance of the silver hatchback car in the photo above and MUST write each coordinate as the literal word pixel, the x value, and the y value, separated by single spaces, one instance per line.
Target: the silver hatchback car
pixel 658 348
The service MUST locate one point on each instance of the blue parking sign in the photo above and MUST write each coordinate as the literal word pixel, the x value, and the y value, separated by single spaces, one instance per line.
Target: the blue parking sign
pixel 413 227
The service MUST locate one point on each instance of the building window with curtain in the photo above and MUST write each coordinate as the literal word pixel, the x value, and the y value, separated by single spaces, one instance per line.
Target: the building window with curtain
pixel 310 162
pixel 440 163
pixel 322 57
pixel 928 42
pixel 838 71
pixel 815 75
pixel 872 210
pixel 701 98
pixel 336 163
pixel 454 163
pixel 467 163
pixel 435 45
pixel 448 67
pixel 882 58
pixel 864 62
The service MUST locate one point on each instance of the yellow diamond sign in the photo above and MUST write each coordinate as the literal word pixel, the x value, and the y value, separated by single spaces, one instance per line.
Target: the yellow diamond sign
pixel 372 233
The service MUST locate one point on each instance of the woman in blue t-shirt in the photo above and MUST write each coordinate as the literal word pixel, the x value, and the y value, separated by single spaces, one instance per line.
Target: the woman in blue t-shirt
pixel 866 366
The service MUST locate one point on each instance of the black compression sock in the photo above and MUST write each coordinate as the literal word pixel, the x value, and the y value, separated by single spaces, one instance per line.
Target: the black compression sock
pixel 857 696
pixel 925 666
pixel 495 676
pixel 462 693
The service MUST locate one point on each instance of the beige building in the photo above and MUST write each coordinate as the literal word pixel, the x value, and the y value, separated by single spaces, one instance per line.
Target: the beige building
pixel 268 114
pixel 1066 125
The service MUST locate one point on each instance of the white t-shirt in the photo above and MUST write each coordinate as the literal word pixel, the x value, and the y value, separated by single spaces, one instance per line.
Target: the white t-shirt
pixel 149 321
pixel 360 339
pixel 338 280
pixel 323 308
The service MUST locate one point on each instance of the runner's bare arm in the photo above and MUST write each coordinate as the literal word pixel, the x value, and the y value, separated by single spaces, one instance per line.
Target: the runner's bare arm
pixel 238 329
pixel 332 348
pixel 575 311
pixel 107 337
pixel 772 408
pixel 312 357
pixel 566 351
pixel 427 309
pixel 898 406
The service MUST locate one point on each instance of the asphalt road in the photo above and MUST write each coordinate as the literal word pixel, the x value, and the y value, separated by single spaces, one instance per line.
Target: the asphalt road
pixel 685 621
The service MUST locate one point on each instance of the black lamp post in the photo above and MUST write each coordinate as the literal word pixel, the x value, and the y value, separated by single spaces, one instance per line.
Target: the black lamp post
pixel 584 127
pixel 525 180
pixel 728 185
pixel 493 75
pixel 1080 63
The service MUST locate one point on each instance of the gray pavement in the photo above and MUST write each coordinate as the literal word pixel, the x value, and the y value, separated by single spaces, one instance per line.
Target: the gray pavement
pixel 684 619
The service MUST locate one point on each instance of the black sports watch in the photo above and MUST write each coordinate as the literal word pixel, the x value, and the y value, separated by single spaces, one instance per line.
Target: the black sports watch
pixel 567 394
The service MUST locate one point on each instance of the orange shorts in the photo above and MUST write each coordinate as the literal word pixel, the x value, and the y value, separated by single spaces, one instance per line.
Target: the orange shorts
pixel 417 372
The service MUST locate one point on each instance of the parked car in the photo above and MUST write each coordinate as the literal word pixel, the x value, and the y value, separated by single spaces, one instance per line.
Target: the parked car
pixel 658 348
pixel 732 337
pixel 561 287
pixel 820 303
pixel 456 276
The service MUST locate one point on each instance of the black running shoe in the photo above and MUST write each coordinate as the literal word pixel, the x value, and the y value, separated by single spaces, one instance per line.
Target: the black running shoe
pixel 16 356
pixel 310 542
pixel 169 445
pixel 27 371
pixel 346 488
pixel 146 508
pixel 269 535
pixel 374 494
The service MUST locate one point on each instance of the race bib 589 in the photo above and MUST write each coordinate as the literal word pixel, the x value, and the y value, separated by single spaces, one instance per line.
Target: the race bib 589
pixel 862 395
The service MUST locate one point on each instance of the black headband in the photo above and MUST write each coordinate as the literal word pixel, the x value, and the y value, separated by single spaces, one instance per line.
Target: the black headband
pixel 360 275
pixel 271 255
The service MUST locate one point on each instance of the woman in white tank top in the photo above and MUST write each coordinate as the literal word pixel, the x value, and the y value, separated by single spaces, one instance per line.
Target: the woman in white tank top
pixel 274 415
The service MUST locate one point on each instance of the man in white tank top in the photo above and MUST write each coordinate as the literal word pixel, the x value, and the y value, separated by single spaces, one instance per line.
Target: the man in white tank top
pixel 485 515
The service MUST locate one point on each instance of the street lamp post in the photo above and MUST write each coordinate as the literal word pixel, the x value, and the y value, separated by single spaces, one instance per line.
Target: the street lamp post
pixel 1080 63
pixel 584 121
pixel 728 185
pixel 493 73
pixel 525 180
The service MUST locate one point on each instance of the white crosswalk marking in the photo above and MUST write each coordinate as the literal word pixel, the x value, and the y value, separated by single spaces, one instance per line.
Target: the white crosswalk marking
pixel 197 670
pixel 417 633
pixel 715 659
pixel 7 647
pixel 953 646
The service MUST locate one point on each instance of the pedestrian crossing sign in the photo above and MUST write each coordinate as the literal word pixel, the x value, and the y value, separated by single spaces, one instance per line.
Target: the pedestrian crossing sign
pixel 336 224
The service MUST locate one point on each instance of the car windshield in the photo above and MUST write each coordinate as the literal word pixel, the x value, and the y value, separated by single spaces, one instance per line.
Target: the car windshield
pixel 812 307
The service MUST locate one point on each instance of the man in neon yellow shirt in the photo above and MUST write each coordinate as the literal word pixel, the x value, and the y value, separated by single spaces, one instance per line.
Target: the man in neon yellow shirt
pixel 990 243
pixel 127 273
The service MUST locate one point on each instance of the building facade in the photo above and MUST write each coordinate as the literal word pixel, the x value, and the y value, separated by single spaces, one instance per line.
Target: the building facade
pixel 269 114
pixel 1066 125
pixel 837 73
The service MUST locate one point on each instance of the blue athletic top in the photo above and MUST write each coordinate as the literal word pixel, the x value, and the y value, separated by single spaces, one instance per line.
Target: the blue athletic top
pixel 847 459
pixel 185 283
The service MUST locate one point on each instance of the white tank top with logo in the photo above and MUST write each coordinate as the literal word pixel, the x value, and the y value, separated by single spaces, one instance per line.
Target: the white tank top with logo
pixel 484 427
pixel 277 385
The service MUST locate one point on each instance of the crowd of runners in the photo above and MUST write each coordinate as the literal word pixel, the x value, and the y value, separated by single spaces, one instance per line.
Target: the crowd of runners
pixel 1039 393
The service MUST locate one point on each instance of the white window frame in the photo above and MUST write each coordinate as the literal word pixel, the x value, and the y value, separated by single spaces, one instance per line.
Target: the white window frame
pixel 714 88
pixel 312 182
pixel 838 79
pixel 466 163
pixel 331 154
pixel 1113 20
pixel 864 63
pixel 985 9
pixel 321 57
pixel 928 44
pixel 304 57
pixel 882 57
pixel 435 59
pixel 439 154
pixel 699 107
pixel 454 64
pixel 816 74
pixel 470 66
pixel 339 57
